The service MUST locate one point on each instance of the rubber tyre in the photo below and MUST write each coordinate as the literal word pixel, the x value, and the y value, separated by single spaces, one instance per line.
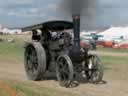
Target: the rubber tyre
pixel 41 60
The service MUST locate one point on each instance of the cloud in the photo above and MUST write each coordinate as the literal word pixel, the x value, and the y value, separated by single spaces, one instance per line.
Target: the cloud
pixel 112 4
pixel 31 12
pixel 1 10
pixel 20 1
pixel 52 7
pixel 26 8
pixel 15 2
pixel 27 12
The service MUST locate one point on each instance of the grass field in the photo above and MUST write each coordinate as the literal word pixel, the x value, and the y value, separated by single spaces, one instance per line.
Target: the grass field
pixel 114 59
pixel 16 88
pixel 13 53
pixel 113 50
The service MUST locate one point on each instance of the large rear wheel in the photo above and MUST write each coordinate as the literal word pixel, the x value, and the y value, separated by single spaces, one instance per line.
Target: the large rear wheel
pixel 35 61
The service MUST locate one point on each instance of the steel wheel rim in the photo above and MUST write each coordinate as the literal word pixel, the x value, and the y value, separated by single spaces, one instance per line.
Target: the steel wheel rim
pixel 64 70
pixel 94 74
pixel 32 60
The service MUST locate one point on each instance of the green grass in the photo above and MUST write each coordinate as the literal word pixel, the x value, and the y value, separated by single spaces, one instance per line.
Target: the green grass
pixel 11 49
pixel 29 89
pixel 26 89
pixel 108 59
pixel 114 60
pixel 35 90
pixel 113 50
pixel 12 52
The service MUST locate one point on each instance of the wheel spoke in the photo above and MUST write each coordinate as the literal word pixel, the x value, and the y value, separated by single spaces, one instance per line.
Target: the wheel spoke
pixel 65 70
pixel 32 60
pixel 95 75
pixel 65 76
pixel 29 65
pixel 96 72
pixel 60 64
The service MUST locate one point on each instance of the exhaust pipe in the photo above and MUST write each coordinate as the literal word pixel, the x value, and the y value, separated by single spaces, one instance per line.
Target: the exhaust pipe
pixel 76 28
pixel 75 52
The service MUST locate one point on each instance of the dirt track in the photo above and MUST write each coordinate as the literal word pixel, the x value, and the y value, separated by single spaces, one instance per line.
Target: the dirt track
pixel 116 77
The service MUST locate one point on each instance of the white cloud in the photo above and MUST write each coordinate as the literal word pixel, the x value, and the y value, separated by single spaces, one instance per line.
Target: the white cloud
pixel 23 12
pixel 52 18
pixel 1 10
pixel 52 7
pixel 21 1
pixel 34 10
pixel 31 12
pixel 9 2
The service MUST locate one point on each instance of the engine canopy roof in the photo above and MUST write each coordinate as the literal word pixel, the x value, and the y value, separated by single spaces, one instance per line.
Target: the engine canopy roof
pixel 50 25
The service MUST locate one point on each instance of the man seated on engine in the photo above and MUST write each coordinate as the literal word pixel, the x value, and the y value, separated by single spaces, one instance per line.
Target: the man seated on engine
pixel 62 36
pixel 35 35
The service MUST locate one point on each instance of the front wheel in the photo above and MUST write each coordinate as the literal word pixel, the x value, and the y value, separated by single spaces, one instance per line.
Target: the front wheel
pixel 95 69
pixel 64 70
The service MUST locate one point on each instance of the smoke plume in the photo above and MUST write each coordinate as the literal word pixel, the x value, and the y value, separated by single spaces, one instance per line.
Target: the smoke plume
pixel 72 7
pixel 85 8
pixel 96 13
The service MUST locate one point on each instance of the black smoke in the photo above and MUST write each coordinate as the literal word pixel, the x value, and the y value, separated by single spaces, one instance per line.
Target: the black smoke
pixel 87 9
pixel 73 7
pixel 96 14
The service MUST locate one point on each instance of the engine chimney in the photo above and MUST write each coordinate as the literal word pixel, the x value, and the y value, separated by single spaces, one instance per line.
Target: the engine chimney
pixel 76 46
pixel 76 27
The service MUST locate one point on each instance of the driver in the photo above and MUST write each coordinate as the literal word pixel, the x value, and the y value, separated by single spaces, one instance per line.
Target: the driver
pixel 57 35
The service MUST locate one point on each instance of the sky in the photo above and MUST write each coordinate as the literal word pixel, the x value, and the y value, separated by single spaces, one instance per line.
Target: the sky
pixel 20 13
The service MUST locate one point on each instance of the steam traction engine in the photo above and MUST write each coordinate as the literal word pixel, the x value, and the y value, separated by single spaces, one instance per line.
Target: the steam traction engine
pixel 56 50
